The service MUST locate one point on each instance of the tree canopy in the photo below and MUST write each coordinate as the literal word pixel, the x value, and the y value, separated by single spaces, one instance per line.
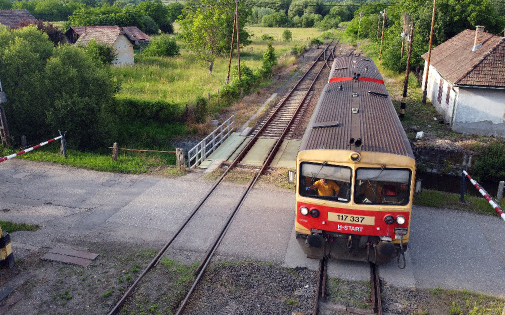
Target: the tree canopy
pixel 206 27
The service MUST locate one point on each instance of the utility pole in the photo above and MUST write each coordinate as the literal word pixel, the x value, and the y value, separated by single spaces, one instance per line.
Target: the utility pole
pixel 238 38
pixel 382 37
pixel 429 53
pixel 231 48
pixel 407 71
pixel 378 27
pixel 359 24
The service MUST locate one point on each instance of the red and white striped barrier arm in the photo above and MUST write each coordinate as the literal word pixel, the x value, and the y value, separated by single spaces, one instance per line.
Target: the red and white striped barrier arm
pixel 486 195
pixel 5 158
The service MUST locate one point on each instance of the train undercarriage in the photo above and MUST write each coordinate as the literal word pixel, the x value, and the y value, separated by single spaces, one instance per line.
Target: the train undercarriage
pixel 323 244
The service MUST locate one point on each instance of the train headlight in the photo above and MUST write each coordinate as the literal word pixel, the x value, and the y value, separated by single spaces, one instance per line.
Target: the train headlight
pixel 389 219
pixel 355 157
pixel 304 210
pixel 314 213
pixel 400 219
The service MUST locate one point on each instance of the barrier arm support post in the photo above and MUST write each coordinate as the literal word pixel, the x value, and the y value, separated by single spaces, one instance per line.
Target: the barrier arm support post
pixel 463 188
pixel 484 193
pixel 63 147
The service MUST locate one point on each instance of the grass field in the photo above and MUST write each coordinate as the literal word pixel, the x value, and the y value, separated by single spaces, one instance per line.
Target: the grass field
pixel 182 78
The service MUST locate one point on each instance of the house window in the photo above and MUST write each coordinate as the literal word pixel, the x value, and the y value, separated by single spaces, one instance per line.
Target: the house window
pixel 440 91
pixel 448 94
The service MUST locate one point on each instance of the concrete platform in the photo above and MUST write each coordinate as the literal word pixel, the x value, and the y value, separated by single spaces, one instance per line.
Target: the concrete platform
pixel 231 147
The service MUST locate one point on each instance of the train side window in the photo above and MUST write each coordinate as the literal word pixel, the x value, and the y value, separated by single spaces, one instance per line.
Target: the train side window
pixel 324 181
pixel 382 186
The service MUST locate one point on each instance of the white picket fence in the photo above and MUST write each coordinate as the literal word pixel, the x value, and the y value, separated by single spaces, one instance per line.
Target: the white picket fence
pixel 202 150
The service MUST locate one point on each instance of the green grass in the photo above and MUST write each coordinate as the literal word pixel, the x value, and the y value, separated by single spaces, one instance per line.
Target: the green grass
pixel 438 199
pixel 182 78
pixel 10 227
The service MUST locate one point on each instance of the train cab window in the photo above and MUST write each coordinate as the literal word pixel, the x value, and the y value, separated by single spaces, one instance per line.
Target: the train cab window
pixel 382 186
pixel 324 181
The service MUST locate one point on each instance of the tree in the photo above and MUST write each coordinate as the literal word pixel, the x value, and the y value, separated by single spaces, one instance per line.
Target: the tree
pixel 162 46
pixel 5 4
pixel 78 92
pixel 207 27
pixel 23 56
pixel 158 12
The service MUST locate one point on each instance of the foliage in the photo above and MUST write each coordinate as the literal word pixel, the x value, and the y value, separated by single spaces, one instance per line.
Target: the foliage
pixel 5 4
pixel 276 19
pixel 174 10
pixel 100 52
pixel 55 35
pixel 163 45
pixel 257 14
pixel 490 164
pixel 451 18
pixel 207 27
pixel 53 89
pixel 78 92
pixel 23 56
pixel 201 109
pixel 48 10
pixel 267 37
pixel 269 58
pixel 316 41
pixel 287 35
pixel 158 12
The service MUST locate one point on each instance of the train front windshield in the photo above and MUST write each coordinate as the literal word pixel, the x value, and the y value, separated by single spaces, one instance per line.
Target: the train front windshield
pixel 324 181
pixel 372 185
pixel 382 186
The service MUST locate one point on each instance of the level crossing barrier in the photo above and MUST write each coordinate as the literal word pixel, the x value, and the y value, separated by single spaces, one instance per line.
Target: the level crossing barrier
pixel 8 157
pixel 204 148
pixel 483 192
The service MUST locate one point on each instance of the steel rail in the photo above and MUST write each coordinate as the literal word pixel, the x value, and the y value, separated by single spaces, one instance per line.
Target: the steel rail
pixel 375 289
pixel 321 285
pixel 160 254
pixel 205 262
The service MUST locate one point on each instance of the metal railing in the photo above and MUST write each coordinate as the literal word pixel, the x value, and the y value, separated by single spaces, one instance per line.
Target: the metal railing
pixel 202 150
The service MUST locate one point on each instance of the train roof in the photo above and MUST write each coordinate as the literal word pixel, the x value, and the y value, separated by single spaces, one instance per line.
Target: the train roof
pixel 355 105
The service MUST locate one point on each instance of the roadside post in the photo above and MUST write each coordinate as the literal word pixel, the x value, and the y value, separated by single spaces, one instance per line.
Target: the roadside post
pixel 6 255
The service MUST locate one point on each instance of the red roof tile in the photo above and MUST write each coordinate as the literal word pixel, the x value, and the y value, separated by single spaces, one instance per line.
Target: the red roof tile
pixel 13 18
pixel 457 63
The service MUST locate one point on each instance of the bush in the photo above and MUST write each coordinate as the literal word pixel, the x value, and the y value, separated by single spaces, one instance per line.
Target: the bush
pixel 159 111
pixel 287 36
pixel 266 37
pixel 160 46
pixel 100 52
pixel 201 110
pixel 490 164
pixel 316 42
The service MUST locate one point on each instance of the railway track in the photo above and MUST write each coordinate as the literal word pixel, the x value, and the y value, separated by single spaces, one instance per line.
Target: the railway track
pixel 278 118
pixel 375 292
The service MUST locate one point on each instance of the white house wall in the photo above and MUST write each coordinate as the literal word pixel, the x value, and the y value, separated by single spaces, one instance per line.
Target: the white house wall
pixel 124 51
pixel 441 93
pixel 480 111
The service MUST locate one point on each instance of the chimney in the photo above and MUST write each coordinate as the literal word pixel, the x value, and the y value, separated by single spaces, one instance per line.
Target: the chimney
pixel 479 37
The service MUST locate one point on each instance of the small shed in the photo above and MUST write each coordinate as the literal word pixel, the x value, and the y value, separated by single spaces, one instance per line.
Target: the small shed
pixel 111 36
pixel 16 18
pixel 466 82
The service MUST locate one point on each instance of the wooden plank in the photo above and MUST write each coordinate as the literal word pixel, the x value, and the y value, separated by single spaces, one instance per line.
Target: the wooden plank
pixel 67 259
pixel 73 253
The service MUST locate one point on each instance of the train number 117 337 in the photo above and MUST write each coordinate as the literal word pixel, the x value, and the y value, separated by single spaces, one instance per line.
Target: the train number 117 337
pixel 350 218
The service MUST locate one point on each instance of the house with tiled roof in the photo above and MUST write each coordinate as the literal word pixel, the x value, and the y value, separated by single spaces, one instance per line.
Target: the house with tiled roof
pixel 112 36
pixel 133 33
pixel 16 18
pixel 466 82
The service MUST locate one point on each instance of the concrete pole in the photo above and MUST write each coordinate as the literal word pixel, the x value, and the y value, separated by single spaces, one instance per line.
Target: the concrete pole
pixel 382 36
pixel 115 151
pixel 407 71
